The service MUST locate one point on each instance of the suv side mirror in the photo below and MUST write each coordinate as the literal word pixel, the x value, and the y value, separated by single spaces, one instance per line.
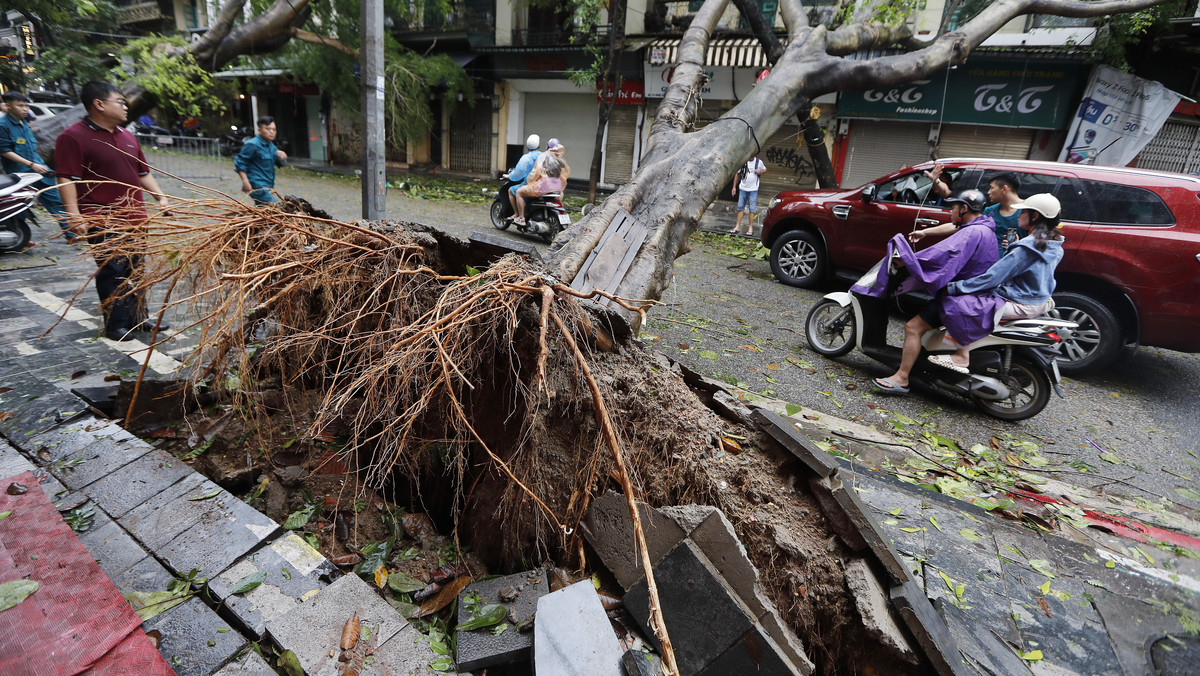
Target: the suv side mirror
pixel 868 193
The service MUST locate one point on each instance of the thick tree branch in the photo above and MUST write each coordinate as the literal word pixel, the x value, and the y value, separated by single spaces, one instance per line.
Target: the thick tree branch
pixel 313 38
pixel 850 38
pixel 264 33
pixel 682 98
pixel 761 29
pixel 205 48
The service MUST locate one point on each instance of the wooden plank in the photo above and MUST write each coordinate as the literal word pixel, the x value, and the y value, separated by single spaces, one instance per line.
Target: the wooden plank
pixel 580 280
pixel 633 245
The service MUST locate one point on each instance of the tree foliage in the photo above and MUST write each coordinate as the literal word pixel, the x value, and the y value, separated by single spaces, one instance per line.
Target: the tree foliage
pixel 1118 34
pixel 159 64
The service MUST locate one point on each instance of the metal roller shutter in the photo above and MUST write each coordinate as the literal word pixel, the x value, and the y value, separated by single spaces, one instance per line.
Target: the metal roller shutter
pixel 471 138
pixel 1001 143
pixel 622 129
pixel 879 148
pixel 1173 149
pixel 788 164
pixel 572 119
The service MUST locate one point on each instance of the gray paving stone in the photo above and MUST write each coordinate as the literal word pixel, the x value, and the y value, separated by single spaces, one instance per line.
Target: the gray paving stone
pixel 250 663
pixel 796 442
pixel 982 648
pixel 98 460
pixel 279 593
pixel 187 631
pixel 929 629
pixel 111 547
pixel 314 628
pixel 572 634
pixel 140 480
pixel 158 520
pixel 480 649
pixel 874 608
pixel 609 530
pixel 12 462
pixel 754 653
pixel 638 663
pixel 405 654
pixel 61 441
pixel 147 575
pixel 36 406
pixel 226 530
pixel 703 614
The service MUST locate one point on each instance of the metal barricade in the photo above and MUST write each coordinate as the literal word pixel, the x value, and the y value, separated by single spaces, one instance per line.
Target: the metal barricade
pixel 189 157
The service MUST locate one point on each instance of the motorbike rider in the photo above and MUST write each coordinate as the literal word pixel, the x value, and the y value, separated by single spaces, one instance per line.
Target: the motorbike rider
pixel 520 173
pixel 969 252
pixel 550 174
pixel 1024 277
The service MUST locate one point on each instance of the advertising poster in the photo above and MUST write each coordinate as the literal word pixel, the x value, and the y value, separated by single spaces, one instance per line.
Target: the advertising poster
pixel 1120 113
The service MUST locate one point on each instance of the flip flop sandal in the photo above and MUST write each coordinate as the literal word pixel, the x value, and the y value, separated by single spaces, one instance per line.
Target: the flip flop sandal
pixel 944 361
pixel 887 386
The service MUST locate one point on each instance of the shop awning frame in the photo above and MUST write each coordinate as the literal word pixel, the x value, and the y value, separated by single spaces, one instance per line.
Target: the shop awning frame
pixel 732 52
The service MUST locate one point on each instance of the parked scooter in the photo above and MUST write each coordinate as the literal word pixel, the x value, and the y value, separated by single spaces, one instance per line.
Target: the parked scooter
pixel 1011 371
pixel 17 193
pixel 545 216
pixel 231 144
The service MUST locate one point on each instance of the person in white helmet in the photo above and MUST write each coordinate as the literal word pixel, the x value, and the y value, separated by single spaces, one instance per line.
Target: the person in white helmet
pixel 1024 277
pixel 520 173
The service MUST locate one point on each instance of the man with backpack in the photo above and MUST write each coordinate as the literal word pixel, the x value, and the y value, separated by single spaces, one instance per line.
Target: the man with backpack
pixel 746 189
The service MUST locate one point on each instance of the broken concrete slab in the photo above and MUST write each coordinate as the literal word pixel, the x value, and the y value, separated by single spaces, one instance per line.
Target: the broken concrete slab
pixel 929 629
pixel 729 407
pixel 195 640
pixel 873 605
pixel 980 645
pixel 408 653
pixel 753 653
pixel 796 442
pixel 140 480
pixel 249 663
pixel 226 530
pixel 704 615
pixel 855 524
pixel 97 460
pixel 313 629
pixel 572 635
pixel 291 567
pixel 480 649
pixel 638 663
pixel 609 530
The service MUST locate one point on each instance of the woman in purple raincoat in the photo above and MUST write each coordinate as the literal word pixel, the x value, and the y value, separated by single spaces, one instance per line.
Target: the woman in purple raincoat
pixel 968 252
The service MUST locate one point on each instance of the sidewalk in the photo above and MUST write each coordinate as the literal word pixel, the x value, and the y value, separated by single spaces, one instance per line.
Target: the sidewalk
pixel 1095 604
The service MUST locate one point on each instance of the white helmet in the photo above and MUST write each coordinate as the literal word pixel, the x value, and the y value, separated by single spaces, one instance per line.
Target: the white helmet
pixel 1044 203
pixel 533 142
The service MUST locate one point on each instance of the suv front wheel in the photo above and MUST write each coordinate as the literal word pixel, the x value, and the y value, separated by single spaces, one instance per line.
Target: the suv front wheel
pixel 1097 341
pixel 798 258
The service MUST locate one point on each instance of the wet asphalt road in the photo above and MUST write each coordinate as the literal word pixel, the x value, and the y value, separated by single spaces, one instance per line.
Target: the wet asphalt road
pixel 726 317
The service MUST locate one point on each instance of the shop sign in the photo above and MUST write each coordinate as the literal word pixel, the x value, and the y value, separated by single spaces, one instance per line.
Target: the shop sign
pixel 27 42
pixel 630 93
pixel 724 83
pixel 1030 96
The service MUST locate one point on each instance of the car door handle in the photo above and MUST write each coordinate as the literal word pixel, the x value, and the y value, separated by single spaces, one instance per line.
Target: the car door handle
pixel 842 211
pixel 927 221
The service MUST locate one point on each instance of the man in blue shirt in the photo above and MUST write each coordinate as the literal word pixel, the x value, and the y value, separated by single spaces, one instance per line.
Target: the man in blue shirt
pixel 520 173
pixel 1002 191
pixel 19 155
pixel 257 161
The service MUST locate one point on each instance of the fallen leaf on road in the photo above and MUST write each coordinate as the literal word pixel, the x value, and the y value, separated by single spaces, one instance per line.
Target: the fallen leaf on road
pixel 206 496
pixel 249 582
pixel 1044 606
pixel 444 597
pixel 15 591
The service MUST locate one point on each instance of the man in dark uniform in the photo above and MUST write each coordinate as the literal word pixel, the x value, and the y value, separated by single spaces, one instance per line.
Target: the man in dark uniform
pixel 113 172
pixel 19 155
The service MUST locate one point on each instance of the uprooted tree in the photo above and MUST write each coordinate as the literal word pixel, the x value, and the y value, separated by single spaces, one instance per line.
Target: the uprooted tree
pixel 507 397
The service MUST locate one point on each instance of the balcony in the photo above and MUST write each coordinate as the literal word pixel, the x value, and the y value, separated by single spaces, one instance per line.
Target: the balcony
pixel 549 37
pixel 139 12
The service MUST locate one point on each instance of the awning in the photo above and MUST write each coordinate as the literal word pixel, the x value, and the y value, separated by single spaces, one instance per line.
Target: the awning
pixel 247 72
pixel 735 52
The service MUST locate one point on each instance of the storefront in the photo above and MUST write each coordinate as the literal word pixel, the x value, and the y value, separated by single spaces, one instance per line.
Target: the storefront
pixel 990 107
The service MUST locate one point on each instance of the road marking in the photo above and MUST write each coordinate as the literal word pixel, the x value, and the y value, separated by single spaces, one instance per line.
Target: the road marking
pixel 136 350
pixel 55 304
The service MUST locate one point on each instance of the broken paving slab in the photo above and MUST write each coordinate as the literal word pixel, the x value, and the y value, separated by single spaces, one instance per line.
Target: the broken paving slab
pixel 572 635
pixel 980 645
pixel 408 653
pixel 98 460
pixel 929 629
pixel 68 438
pixel 703 614
pixel 40 407
pixel 480 649
pixel 638 663
pixel 225 530
pixel 796 442
pixel 249 663
pixel 137 482
pixel 609 530
pixel 195 640
pixel 293 570
pixel 874 608
pixel 112 548
pixel 856 524
pixel 313 629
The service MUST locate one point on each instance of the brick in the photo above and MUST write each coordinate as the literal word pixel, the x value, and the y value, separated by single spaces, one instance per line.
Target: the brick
pixel 186 632
pixel 480 649
pixel 137 482
pixel 573 635
pixel 797 443
pixel 314 627
pixel 279 594
pixel 609 530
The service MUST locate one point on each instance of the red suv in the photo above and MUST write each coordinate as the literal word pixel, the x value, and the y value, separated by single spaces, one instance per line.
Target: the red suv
pixel 1131 269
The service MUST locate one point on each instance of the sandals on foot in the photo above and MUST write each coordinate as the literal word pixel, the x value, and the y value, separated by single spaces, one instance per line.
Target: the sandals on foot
pixel 945 362
pixel 887 386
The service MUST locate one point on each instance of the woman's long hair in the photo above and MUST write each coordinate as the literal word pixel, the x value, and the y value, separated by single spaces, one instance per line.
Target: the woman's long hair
pixel 1043 230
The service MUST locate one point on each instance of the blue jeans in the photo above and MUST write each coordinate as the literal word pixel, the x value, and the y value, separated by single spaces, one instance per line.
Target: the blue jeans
pixel 748 198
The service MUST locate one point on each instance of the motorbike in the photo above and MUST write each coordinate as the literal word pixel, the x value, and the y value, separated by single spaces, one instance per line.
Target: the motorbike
pixel 231 144
pixel 1011 371
pixel 17 193
pixel 545 216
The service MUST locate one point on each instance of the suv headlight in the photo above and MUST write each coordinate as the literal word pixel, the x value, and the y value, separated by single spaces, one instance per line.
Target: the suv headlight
pixel 774 201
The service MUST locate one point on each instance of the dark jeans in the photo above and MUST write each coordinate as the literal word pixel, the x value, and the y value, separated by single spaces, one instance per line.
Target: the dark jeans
pixel 121 311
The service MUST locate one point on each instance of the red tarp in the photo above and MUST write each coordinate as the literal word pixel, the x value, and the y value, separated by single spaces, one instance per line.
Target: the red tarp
pixel 77 621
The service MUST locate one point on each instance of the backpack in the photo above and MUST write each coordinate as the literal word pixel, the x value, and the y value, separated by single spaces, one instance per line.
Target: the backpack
pixel 741 175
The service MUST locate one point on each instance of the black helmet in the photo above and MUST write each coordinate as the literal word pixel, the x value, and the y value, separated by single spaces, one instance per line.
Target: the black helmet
pixel 974 200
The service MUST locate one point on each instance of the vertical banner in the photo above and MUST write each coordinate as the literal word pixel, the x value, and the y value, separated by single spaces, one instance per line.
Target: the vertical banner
pixel 1120 113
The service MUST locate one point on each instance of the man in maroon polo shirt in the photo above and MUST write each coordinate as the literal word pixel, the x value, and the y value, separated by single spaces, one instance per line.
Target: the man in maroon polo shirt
pixel 98 149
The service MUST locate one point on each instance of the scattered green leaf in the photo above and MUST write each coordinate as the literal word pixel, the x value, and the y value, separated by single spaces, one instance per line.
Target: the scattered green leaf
pixel 970 535
pixel 299 518
pixel 488 615
pixel 16 591
pixel 401 583
pixel 249 582
pixel 792 409
pixel 1032 655
pixel 207 496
